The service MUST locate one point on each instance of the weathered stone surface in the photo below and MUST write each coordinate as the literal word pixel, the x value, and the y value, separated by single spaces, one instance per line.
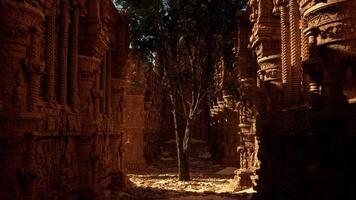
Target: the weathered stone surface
pixel 303 118
pixel 62 121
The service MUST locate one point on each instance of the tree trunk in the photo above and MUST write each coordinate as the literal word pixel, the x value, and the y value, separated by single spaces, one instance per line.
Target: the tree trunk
pixel 183 162
pixel 183 154
pixel 182 142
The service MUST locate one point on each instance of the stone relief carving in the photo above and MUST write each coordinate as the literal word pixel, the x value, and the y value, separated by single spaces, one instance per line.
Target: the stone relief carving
pixel 56 150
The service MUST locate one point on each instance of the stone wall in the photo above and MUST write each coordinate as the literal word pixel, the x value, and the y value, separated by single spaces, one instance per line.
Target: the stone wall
pixel 305 108
pixel 234 111
pixel 60 101
pixel 141 123
pixel 224 119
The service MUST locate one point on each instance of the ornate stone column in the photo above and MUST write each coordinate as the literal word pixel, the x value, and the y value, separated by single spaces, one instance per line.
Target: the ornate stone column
pixel 35 69
pixel 74 98
pixel 285 51
pixel 305 56
pixel 63 53
pixel 50 56
pixel 313 68
pixel 294 17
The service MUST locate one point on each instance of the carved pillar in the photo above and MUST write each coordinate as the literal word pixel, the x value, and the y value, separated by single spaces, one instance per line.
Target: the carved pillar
pixel 74 98
pixel 35 69
pixel 51 52
pixel 63 53
pixel 294 16
pixel 285 51
pixel 108 83
pixel 313 68
pixel 305 57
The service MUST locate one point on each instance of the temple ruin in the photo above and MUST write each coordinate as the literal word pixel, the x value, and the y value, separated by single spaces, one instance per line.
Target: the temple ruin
pixel 79 111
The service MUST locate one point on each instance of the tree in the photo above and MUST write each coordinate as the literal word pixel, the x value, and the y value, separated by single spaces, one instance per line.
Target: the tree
pixel 183 39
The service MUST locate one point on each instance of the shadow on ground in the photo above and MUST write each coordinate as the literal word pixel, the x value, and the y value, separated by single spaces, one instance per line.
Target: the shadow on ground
pixel 140 193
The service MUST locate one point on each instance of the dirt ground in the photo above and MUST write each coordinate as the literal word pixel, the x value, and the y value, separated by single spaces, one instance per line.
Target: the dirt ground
pixel 209 182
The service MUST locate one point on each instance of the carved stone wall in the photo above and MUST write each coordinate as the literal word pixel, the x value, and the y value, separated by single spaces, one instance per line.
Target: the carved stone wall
pixel 231 113
pixel 246 106
pixel 58 98
pixel 305 117
pixel 140 124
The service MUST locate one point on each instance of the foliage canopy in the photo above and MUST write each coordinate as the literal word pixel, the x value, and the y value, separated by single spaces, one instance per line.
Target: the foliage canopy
pixel 158 25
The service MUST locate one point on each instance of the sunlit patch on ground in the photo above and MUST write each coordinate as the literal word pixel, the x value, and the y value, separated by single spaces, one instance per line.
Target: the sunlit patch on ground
pixel 217 184
pixel 161 182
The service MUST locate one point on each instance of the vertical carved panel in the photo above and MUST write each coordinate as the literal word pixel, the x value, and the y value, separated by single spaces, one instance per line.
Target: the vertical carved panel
pixel 35 69
pixel 294 17
pixel 304 56
pixel 51 52
pixel 74 98
pixel 285 53
pixel 63 53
